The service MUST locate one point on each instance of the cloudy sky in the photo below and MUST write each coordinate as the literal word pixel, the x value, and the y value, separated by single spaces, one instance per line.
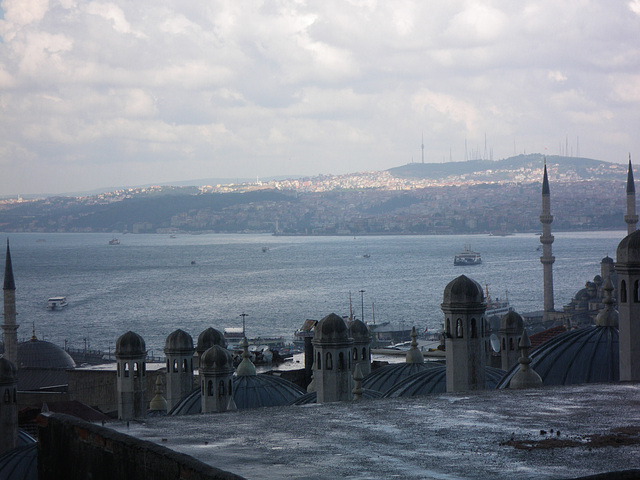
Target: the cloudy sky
pixel 109 93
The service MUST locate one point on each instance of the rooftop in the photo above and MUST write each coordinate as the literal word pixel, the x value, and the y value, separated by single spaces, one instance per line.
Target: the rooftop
pixel 443 436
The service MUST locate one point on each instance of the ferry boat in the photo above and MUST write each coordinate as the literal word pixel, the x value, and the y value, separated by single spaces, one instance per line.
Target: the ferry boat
pixel 56 303
pixel 114 241
pixel 468 257
pixel 497 307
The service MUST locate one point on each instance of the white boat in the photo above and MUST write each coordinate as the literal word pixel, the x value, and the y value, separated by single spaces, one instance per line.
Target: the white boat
pixel 468 257
pixel 56 303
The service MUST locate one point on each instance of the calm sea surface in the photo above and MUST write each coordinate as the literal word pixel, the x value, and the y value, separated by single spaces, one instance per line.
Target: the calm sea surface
pixel 149 285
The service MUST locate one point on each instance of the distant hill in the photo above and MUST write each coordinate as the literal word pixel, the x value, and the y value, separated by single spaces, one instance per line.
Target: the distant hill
pixel 513 169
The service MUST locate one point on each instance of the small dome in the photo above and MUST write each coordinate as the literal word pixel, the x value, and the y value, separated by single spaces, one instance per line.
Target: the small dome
pixel 511 322
pixel 359 331
pixel 178 342
pixel 208 339
pixel 130 345
pixel 216 358
pixel 434 380
pixel 330 329
pixel 36 353
pixel 607 259
pixel 586 355
pixel 383 378
pixel 8 372
pixel 463 290
pixel 629 249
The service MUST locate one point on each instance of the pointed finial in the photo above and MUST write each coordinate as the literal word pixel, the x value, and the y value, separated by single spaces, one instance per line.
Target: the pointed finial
pixel 246 367
pixel 608 316
pixel 545 180
pixel 158 402
pixel 631 186
pixel 9 283
pixel 414 355
pixel 525 377
pixel 33 331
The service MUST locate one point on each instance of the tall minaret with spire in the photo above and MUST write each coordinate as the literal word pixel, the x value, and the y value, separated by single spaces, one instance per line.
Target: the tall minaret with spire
pixel 546 239
pixel 631 218
pixel 9 326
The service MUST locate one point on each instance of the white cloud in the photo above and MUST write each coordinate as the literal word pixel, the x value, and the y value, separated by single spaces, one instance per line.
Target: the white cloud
pixel 306 87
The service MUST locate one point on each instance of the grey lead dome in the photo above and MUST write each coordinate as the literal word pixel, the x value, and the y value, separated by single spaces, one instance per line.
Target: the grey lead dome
pixel 130 344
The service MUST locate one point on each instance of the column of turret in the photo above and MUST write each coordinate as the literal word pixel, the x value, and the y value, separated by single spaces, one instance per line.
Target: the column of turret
pixel 9 325
pixel 631 218
pixel 546 239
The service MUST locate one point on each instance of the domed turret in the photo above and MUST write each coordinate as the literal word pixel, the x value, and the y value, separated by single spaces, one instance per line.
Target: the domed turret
pixel 8 372
pixel 331 328
pixel 359 332
pixel 628 251
pixel 463 290
pixel 178 341
pixel 208 339
pixel 511 328
pixel 512 322
pixel 628 270
pixel 130 345
pixel 216 358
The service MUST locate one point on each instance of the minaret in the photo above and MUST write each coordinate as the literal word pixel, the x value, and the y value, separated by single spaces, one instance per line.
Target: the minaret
pixel 546 239
pixel 631 218
pixel 9 326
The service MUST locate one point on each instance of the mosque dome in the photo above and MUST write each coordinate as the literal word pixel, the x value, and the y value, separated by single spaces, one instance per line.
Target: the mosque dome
pixel 629 249
pixel 434 380
pixel 36 353
pixel 216 358
pixel 248 392
pixel 208 339
pixel 586 355
pixel 463 290
pixel 129 345
pixel 20 463
pixel 8 372
pixel 359 331
pixel 331 329
pixel 178 341
pixel 511 322
pixel 384 378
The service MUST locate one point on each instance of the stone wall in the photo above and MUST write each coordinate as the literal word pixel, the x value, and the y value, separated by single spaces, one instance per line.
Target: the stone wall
pixel 72 449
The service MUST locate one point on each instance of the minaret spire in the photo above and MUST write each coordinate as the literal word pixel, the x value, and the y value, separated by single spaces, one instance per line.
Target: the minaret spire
pixel 546 239
pixel 9 326
pixel 631 218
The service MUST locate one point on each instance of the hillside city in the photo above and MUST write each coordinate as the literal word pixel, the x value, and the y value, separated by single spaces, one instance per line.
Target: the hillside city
pixel 500 200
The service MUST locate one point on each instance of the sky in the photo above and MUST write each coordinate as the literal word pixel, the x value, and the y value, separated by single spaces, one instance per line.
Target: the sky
pixel 114 93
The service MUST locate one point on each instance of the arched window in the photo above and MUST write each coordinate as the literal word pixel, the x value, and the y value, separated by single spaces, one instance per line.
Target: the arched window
pixel 459 332
pixel 636 297
pixel 7 396
pixel 136 370
pixel 504 344
pixel 355 353
pixel 511 347
pixel 319 362
pixel 623 291
pixel 474 329
pixel 220 388
pixel 341 361
pixel 210 388
pixel 175 365
pixel 126 369
pixel 230 387
pixel 328 361
pixel 364 353
pixel 185 365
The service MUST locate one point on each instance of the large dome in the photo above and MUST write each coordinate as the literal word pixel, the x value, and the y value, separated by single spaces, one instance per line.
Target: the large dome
pixel 36 353
pixel 463 291
pixel 586 355
pixel 434 380
pixel 331 329
pixel 130 345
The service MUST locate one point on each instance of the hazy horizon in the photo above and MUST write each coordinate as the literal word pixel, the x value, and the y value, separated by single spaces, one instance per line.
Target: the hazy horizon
pixel 119 93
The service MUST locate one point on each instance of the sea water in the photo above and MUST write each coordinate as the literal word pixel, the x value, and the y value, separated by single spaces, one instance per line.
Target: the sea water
pixel 154 284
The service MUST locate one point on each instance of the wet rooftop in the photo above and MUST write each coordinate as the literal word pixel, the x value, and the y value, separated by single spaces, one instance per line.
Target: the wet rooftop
pixel 552 432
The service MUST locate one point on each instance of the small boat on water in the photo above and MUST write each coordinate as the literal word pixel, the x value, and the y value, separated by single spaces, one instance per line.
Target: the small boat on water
pixel 57 303
pixel 114 241
pixel 468 257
